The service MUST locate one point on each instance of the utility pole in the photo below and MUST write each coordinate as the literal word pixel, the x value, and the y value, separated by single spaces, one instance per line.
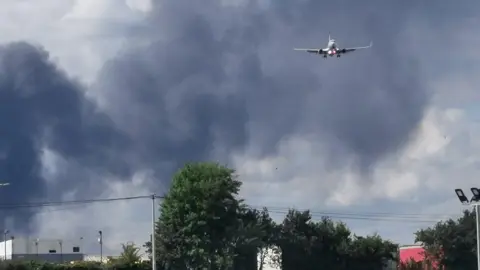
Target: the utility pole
pixel 154 259
pixel 100 241
pixel 475 202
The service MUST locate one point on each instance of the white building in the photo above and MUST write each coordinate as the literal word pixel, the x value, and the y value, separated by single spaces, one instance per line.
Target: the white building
pixel 57 250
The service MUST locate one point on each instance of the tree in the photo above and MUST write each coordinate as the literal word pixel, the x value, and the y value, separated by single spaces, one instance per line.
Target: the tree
pixel 130 254
pixel 268 237
pixel 293 241
pixel 201 219
pixel 371 252
pixel 331 244
pixel 305 244
pixel 148 247
pixel 414 265
pixel 203 225
pixel 256 231
pixel 451 243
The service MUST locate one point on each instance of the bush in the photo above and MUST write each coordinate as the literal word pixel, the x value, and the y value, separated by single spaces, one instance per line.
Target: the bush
pixel 32 265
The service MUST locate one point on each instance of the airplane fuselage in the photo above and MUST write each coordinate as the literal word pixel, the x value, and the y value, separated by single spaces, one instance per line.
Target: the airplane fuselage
pixel 331 49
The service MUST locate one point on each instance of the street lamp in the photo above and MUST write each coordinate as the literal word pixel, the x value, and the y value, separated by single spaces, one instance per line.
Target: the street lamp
pixel 476 193
pixel 81 245
pixel 60 242
pixel 475 202
pixel 36 245
pixel 100 241
pixel 5 233
pixel 154 258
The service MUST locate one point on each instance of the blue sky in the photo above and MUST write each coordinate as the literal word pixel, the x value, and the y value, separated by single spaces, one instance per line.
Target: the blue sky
pixel 389 130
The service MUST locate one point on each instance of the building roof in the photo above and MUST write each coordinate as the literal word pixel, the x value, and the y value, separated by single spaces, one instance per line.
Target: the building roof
pixel 411 247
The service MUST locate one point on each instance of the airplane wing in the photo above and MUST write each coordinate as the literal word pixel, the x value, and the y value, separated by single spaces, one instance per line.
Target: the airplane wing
pixel 317 51
pixel 345 50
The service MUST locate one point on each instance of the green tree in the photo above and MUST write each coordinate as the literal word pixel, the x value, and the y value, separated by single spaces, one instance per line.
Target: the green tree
pixel 148 247
pixel 305 244
pixel 294 241
pixel 269 234
pixel 414 265
pixel 203 225
pixel 330 244
pixel 452 243
pixel 256 231
pixel 370 253
pixel 200 225
pixel 130 254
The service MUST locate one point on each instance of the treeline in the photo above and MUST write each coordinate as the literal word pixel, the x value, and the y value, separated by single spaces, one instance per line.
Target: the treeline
pixel 204 225
pixel 33 265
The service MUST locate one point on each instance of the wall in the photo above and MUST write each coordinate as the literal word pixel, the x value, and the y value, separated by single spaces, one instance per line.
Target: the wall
pixel 48 249
pixel 28 246
pixel 9 250
pixel 411 252
pixel 417 253
pixel 60 258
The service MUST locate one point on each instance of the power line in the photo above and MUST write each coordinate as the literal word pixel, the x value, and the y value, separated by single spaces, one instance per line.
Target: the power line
pixel 365 216
pixel 313 211
pixel 72 202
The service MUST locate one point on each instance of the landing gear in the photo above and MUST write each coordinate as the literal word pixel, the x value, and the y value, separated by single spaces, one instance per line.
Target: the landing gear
pixel 338 55
pixel 324 56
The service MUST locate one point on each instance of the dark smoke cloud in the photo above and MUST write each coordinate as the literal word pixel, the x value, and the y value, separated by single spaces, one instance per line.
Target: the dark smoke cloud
pixel 40 106
pixel 209 65
pixel 215 79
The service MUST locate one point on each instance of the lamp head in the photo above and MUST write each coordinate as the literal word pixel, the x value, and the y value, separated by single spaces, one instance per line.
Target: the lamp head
pixel 461 196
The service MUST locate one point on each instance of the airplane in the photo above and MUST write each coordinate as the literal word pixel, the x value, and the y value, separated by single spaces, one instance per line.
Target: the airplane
pixel 332 49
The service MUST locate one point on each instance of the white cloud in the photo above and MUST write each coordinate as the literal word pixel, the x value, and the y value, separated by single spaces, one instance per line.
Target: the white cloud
pixel 120 221
pixel 298 169
pixel 52 164
pixel 140 5
pixel 80 34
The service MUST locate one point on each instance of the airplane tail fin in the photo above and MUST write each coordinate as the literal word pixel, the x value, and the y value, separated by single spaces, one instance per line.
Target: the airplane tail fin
pixel 329 36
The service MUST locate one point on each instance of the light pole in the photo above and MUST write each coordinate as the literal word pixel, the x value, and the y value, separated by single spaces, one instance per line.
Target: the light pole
pixel 60 242
pixel 36 246
pixel 81 245
pixel 154 263
pixel 475 202
pixel 100 241
pixel 5 233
